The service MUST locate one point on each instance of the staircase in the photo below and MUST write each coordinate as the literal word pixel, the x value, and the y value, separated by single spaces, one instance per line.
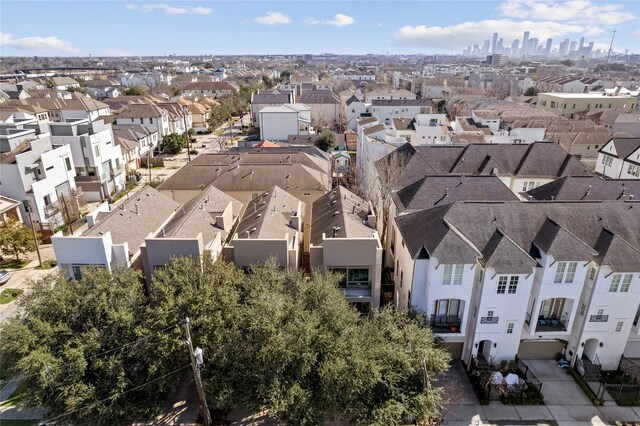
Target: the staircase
pixel 592 371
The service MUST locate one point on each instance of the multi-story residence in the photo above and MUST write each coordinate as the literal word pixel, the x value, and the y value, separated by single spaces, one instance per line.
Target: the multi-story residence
pixel 147 114
pixel 180 118
pixel 98 160
pixel 397 94
pixel 324 105
pixel 137 141
pixel 385 109
pixel 212 89
pixel 423 129
pixel 145 79
pixel 279 122
pixel 500 279
pixel 264 99
pixel 620 158
pixel 36 172
pixel 9 209
pixel 344 240
pixel 571 105
pixel 586 188
pixel 270 227
pixel 61 110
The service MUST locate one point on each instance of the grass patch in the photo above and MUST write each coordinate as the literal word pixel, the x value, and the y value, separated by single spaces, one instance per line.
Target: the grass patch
pixel 585 388
pixel 47 264
pixel 9 295
pixel 15 398
pixel 174 167
pixel 15 264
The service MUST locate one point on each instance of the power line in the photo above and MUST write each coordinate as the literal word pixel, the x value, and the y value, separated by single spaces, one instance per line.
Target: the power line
pixel 112 397
pixel 132 343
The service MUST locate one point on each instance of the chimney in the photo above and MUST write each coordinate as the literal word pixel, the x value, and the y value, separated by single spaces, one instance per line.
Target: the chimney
pixel 296 221
pixel 530 197
pixel 371 220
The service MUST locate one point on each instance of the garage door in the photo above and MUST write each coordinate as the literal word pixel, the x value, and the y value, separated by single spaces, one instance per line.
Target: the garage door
pixel 455 349
pixel 539 349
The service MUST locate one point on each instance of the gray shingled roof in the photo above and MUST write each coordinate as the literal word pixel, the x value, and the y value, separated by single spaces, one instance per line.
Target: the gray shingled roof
pixel 319 97
pixel 401 102
pixel 351 214
pixel 132 221
pixel 560 243
pixel 522 223
pixel 268 216
pixel 586 188
pixel 505 256
pixel 624 146
pixel 270 98
pixel 431 191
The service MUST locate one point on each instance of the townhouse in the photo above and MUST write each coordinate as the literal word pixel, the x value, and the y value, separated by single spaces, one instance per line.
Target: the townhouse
pixel 620 158
pixel 61 110
pixel 98 160
pixel 137 142
pixel 280 122
pixel 213 89
pixel 344 240
pixel 500 279
pixel 572 105
pixel 586 188
pixel 153 117
pixel 10 209
pixel 324 105
pixel 262 99
pixel 384 109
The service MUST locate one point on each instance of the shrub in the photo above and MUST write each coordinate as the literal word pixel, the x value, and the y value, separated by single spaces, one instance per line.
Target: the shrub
pixel 585 388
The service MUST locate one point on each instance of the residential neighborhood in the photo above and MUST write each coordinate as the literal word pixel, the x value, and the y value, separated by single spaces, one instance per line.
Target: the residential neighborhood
pixel 446 232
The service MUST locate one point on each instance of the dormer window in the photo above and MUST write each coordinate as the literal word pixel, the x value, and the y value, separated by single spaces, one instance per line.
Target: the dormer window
pixel 452 274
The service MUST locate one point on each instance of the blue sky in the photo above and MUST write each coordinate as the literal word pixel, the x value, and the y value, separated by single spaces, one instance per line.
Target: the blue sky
pixel 114 28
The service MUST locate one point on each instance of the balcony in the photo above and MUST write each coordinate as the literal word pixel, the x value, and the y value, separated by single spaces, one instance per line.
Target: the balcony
pixel 598 318
pixel 489 320
pixel 51 209
pixel 115 171
pixel 101 178
pixel 550 324
pixel 445 324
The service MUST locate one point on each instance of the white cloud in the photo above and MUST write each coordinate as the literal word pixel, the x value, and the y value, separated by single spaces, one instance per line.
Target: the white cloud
pixel 170 10
pixel 461 35
pixel 273 18
pixel 47 44
pixel 117 52
pixel 340 20
pixel 572 11
pixel 636 33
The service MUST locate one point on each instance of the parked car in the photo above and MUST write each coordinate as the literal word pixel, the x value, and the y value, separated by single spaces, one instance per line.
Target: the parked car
pixel 253 138
pixel 4 276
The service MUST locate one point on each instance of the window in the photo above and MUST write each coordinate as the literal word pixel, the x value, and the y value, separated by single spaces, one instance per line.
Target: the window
pixel 620 278
pixel 634 170
pixel 619 325
pixel 502 285
pixel 67 162
pixel 565 271
pixel 582 309
pixel 448 308
pixel 97 150
pixel 490 314
pixel 510 328
pixel 513 284
pixel 615 282
pixel 607 160
pixel 593 273
pixel 353 277
pixel 600 312
pixel 626 283
pixel 452 273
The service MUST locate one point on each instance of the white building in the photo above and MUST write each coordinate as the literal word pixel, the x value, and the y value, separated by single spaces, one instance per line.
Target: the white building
pixel 620 159
pixel 147 79
pixel 149 115
pixel 265 99
pixel 99 164
pixel 279 122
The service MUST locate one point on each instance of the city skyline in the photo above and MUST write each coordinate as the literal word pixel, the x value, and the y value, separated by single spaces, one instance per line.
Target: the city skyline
pixel 124 28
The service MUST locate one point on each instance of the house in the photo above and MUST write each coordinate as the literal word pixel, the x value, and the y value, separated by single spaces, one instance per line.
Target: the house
pixel 264 99
pixel 341 161
pixel 620 158
pixel 395 94
pixel 137 141
pixel 147 114
pixel 572 105
pixel 324 105
pixel 37 173
pixel 64 83
pixel 199 228
pixel 586 188
pixel 423 129
pixel 385 110
pixel 500 279
pixel 213 89
pixel 147 79
pixel 344 240
pixel 9 209
pixel 61 110
pixel 180 118
pixel 99 164
pixel 200 116
pixel 270 227
pixel 114 237
pixel 279 122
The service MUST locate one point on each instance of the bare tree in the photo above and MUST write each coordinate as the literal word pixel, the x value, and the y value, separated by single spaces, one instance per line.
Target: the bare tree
pixel 500 88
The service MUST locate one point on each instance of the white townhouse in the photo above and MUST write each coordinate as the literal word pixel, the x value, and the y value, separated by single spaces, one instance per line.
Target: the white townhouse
pixel 279 122
pixel 263 99
pixel 384 109
pixel 500 279
pixel 36 172
pixel 147 114
pixel 98 160
pixel 620 159
pixel 77 108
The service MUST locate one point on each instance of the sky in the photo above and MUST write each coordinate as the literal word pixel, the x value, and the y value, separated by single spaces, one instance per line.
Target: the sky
pixel 180 27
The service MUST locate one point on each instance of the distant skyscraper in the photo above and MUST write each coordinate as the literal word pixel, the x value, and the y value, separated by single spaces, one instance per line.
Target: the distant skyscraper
pixel 494 43
pixel 547 50
pixel 500 46
pixel 533 46
pixel 525 42
pixel 485 47
pixel 514 47
pixel 564 47
pixel 581 44
pixel 572 46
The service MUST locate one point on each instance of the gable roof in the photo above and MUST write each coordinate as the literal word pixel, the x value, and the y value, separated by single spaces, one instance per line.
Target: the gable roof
pixel 142 111
pixel 505 256
pixel 624 147
pixel 586 188
pixel 268 216
pixel 319 97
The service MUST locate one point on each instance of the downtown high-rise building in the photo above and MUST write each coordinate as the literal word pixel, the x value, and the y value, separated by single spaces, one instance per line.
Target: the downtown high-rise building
pixel 547 49
pixel 525 43
pixel 494 43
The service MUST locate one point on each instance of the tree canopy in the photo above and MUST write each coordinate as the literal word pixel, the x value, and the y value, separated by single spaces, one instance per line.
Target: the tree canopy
pixel 173 143
pixel 326 140
pixel 133 91
pixel 273 340
pixel 15 238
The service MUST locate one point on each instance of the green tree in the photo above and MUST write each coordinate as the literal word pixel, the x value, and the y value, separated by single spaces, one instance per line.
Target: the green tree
pixel 267 82
pixel 173 143
pixel 133 91
pixel 531 91
pixel 86 351
pixel 326 140
pixel 15 238
pixel 285 76
pixel 281 342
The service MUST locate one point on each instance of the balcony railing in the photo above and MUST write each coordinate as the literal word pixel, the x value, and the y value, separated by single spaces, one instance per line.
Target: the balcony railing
pixel 445 324
pixel 101 178
pixel 550 324
pixel 598 318
pixel 51 209
pixel 115 171
pixel 489 320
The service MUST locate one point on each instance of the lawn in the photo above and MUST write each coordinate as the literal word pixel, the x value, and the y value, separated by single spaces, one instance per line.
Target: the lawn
pixel 9 295
pixel 15 264
pixel 47 264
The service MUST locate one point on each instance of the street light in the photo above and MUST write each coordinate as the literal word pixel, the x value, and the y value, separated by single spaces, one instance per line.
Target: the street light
pixel 186 132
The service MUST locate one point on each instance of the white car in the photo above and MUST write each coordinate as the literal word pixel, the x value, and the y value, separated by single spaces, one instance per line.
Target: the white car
pixel 4 276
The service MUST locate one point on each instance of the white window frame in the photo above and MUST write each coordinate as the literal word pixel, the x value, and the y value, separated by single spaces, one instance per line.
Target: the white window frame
pixel 452 274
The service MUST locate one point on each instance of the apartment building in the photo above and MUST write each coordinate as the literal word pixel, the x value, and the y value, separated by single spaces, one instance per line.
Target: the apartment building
pixel 500 279
pixel 344 240
pixel 620 158
pixel 279 122
pixel 60 110
pixel 98 160
pixel 571 105
pixel 384 109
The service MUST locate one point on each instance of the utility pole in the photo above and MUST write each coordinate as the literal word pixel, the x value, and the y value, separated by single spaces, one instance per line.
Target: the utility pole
pixel 66 210
pixel 196 362
pixel 149 163
pixel 609 54
pixel 33 232
pixel 186 133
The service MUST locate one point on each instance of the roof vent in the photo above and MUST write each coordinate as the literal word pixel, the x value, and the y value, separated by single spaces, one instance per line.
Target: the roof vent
pixel 258 215
pixel 335 230
pixel 253 229
pixel 336 213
